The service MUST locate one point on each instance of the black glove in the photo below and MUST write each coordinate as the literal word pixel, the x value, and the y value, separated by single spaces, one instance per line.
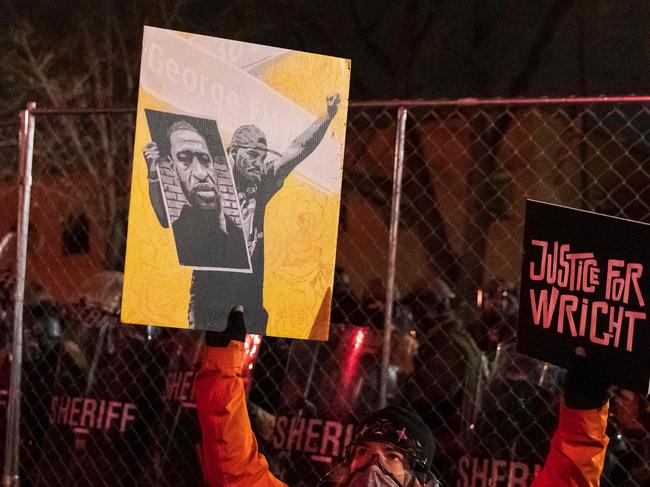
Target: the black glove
pixel 235 330
pixel 585 386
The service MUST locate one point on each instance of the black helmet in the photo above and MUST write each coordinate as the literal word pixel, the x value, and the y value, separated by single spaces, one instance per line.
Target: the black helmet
pixel 402 429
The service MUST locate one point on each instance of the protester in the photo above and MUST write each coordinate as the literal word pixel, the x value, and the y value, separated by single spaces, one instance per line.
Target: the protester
pixel 392 447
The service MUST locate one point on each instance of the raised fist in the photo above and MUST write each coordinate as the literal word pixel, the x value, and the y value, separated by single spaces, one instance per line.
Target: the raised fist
pixel 152 156
pixel 333 105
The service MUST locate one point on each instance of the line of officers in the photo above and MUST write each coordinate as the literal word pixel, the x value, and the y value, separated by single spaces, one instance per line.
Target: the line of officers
pixel 106 404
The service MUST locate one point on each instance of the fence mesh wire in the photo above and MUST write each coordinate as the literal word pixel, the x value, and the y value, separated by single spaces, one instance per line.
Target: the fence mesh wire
pixel 105 404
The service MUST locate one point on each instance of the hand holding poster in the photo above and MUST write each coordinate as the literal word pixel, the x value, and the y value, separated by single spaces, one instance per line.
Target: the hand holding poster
pixel 584 285
pixel 236 185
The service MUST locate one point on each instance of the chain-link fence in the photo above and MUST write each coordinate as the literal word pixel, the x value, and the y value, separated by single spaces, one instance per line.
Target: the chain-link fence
pixel 105 404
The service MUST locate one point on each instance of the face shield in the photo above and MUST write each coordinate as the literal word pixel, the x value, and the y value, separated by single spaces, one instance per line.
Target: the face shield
pixel 516 416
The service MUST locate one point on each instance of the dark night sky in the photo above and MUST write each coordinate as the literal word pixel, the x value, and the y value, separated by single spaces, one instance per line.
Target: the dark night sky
pixel 472 47
pixel 422 49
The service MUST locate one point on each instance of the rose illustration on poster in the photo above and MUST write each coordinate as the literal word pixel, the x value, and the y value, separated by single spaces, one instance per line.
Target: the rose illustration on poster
pixel 585 283
pixel 236 185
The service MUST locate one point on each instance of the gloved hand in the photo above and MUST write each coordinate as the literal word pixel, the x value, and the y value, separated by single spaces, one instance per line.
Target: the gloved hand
pixel 585 386
pixel 235 330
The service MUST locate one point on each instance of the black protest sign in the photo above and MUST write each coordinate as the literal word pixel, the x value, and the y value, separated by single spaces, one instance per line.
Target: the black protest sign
pixel 585 282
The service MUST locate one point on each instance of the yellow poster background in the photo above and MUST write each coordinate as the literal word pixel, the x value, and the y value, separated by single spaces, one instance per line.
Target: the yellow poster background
pixel 300 228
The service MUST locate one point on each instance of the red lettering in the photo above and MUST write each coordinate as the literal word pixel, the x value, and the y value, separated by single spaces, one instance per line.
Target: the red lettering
pixel 603 307
pixel 541 274
pixel 568 306
pixel 53 409
pixel 100 414
pixel 634 272
pixel 632 316
pixel 279 436
pixel 480 473
pixel 63 410
pixel 127 416
pixel 74 411
pixel 295 433
pixel 615 284
pixel 111 414
pixel 497 473
pixel 518 475
pixel 543 309
pixel 463 465
pixel 331 435
pixel 88 413
pixel 310 446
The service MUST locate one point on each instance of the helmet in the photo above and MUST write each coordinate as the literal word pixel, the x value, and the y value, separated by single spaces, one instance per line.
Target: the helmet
pixel 430 303
pixel 404 430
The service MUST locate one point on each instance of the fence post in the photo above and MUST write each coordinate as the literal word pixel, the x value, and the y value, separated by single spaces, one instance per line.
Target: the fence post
pixel 12 441
pixel 398 169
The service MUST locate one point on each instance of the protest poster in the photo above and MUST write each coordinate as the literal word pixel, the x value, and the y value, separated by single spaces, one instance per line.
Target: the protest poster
pixel 584 284
pixel 236 184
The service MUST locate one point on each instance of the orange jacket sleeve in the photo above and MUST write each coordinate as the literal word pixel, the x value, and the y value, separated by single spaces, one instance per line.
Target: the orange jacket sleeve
pixel 577 451
pixel 230 454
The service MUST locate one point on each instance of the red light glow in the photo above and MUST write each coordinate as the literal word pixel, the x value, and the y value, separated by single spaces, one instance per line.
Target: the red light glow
pixel 358 339
pixel 350 368
pixel 251 349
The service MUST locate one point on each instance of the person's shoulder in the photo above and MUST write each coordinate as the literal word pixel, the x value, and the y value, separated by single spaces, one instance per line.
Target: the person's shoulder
pixel 268 172
pixel 182 216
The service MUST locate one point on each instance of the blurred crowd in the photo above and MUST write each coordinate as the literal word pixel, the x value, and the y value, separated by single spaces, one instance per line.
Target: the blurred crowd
pixel 111 404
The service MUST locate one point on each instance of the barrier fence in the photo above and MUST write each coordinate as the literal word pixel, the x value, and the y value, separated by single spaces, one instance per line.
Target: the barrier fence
pixel 424 303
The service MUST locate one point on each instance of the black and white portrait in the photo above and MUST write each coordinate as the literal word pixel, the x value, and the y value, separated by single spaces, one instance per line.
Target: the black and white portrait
pixel 190 185
pixel 218 223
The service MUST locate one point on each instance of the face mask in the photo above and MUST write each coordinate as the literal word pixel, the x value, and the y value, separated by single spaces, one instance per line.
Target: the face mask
pixel 372 475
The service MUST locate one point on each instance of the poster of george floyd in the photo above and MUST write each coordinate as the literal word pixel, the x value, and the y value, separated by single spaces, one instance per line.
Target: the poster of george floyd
pixel 236 185
pixel 585 284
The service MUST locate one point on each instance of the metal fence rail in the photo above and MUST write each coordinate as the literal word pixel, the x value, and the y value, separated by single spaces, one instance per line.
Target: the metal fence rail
pixel 424 303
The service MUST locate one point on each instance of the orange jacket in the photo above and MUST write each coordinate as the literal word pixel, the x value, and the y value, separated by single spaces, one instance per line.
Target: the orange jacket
pixel 231 457
pixel 577 453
